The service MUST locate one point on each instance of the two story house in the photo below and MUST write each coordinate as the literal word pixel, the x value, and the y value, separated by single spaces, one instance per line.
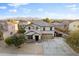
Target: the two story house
pixel 38 30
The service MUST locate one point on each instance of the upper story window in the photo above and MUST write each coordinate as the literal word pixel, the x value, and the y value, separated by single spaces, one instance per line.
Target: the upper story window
pixel 29 28
pixel 43 28
pixel 11 33
pixel 36 28
pixel 50 28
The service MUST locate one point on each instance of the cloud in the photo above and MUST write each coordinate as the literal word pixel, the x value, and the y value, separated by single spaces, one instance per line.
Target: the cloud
pixel 26 10
pixel 3 17
pixel 13 11
pixel 3 7
pixel 60 15
pixel 17 4
pixel 71 16
pixel 51 14
pixel 73 7
pixel 40 9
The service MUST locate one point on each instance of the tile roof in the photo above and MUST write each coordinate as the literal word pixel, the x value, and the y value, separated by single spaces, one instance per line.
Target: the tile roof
pixel 41 23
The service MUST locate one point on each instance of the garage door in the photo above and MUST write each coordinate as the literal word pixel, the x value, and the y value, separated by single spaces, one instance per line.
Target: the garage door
pixel 47 36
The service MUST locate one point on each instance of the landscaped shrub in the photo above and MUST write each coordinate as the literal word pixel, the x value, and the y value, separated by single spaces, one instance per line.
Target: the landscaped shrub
pixel 18 40
pixel 73 40
pixel 8 41
pixel 15 40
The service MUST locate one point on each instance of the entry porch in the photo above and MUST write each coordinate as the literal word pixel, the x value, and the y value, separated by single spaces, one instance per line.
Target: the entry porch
pixel 33 36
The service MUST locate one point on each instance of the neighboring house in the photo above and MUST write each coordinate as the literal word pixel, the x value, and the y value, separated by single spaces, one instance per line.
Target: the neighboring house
pixel 58 25
pixel 61 28
pixel 12 28
pixel 3 25
pixel 62 25
pixel 74 26
pixel 37 30
pixel 2 28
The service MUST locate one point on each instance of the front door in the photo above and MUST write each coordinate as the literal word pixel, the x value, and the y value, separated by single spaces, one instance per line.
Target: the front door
pixel 36 38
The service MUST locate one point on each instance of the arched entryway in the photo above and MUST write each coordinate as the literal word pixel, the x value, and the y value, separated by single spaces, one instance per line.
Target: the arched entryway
pixel 36 38
pixel 33 36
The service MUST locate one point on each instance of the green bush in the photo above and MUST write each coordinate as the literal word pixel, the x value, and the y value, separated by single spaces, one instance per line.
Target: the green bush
pixel 21 30
pixel 18 40
pixel 15 40
pixel 8 41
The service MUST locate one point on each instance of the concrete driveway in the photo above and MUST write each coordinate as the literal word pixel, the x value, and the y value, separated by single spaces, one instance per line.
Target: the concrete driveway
pixel 57 47
pixel 53 47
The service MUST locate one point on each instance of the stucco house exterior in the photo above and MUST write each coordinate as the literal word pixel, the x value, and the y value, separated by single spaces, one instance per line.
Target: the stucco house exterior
pixel 12 28
pixel 38 30
pixel 74 26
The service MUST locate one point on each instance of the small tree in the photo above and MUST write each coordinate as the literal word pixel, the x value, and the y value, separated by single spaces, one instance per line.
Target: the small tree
pixel 18 40
pixel 21 30
pixel 47 20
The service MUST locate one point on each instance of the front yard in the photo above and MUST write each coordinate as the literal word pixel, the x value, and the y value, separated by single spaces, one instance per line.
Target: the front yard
pixel 53 47
pixel 26 49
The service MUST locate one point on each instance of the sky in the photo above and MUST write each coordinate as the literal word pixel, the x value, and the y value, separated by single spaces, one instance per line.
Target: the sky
pixel 40 10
